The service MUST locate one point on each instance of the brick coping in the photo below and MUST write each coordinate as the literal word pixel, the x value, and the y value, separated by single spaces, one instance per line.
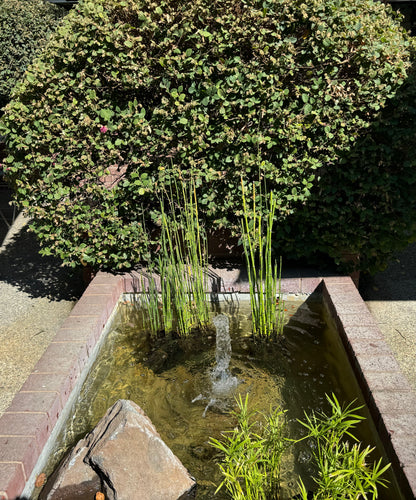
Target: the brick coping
pixel 30 419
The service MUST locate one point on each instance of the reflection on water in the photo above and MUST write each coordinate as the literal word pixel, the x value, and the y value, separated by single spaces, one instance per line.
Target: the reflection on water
pixel 173 382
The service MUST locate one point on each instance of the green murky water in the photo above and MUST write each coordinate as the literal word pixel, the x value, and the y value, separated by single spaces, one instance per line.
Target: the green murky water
pixel 171 382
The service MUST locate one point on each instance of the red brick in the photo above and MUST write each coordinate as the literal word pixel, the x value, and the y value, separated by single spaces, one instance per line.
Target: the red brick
pixel 368 332
pixel 12 480
pixel 291 285
pixel 370 347
pixel 410 473
pixel 49 403
pixel 46 382
pixel 34 425
pixel 73 335
pixel 61 358
pixel 88 323
pixel 340 280
pixel 394 381
pixel 20 449
pixel 309 285
pixel 395 402
pixel 95 298
pixel 357 308
pixel 379 363
pixel 101 289
pixel 83 308
pixel 405 448
pixel 341 289
pixel 402 424
pixel 362 317
pixel 106 279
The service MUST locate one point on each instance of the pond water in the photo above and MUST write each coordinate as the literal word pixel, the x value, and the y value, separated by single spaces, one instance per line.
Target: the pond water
pixel 173 382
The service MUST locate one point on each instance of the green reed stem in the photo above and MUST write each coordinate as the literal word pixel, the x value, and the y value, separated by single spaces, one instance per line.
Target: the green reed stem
pixel 147 304
pixel 183 265
pixel 263 274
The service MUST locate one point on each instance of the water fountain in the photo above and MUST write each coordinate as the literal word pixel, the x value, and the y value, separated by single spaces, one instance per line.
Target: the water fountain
pixel 223 383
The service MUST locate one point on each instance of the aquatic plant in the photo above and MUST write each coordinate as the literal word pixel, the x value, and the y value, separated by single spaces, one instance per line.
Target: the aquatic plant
pixel 263 274
pixel 344 469
pixel 181 263
pixel 251 454
pixel 147 302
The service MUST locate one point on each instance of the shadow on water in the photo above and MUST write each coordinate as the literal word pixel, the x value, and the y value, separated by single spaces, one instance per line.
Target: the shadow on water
pixel 22 266
pixel 318 367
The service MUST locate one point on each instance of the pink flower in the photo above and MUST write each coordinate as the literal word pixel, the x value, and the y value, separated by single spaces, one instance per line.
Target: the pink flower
pixel 103 130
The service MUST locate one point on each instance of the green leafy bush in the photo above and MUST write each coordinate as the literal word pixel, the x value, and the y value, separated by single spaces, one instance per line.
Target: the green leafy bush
pixel 25 26
pixel 285 95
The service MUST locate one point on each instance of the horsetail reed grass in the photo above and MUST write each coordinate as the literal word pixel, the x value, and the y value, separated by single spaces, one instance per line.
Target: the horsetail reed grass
pixel 147 302
pixel 263 274
pixel 183 265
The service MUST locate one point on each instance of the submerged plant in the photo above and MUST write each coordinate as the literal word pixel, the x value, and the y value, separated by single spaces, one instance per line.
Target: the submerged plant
pixel 252 454
pixel 151 303
pixel 263 274
pixel 344 470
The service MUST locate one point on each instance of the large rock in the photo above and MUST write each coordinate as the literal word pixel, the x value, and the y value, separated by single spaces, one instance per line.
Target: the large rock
pixel 75 479
pixel 128 458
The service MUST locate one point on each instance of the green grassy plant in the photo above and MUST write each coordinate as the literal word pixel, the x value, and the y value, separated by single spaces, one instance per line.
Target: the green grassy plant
pixel 252 454
pixel 181 262
pixel 263 274
pixel 183 265
pixel 344 469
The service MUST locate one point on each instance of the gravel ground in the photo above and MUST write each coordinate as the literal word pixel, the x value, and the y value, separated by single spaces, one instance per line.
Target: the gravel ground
pixel 36 295
pixel 391 298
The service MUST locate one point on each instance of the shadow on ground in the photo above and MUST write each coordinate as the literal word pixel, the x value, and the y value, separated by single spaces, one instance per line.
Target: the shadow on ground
pixel 22 266
pixel 397 282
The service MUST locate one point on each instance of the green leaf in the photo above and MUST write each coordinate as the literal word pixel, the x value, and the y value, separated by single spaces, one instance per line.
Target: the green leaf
pixel 106 114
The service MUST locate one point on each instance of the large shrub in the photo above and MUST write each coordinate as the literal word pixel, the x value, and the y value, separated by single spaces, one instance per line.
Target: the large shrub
pixel 25 26
pixel 279 93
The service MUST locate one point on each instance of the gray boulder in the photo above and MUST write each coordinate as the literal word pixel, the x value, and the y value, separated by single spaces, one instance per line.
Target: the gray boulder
pixel 124 457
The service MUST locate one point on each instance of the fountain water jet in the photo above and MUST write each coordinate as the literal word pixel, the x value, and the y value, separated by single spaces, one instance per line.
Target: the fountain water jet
pixel 222 380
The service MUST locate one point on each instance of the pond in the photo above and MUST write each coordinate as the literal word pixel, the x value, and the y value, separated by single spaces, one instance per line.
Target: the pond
pixel 173 382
